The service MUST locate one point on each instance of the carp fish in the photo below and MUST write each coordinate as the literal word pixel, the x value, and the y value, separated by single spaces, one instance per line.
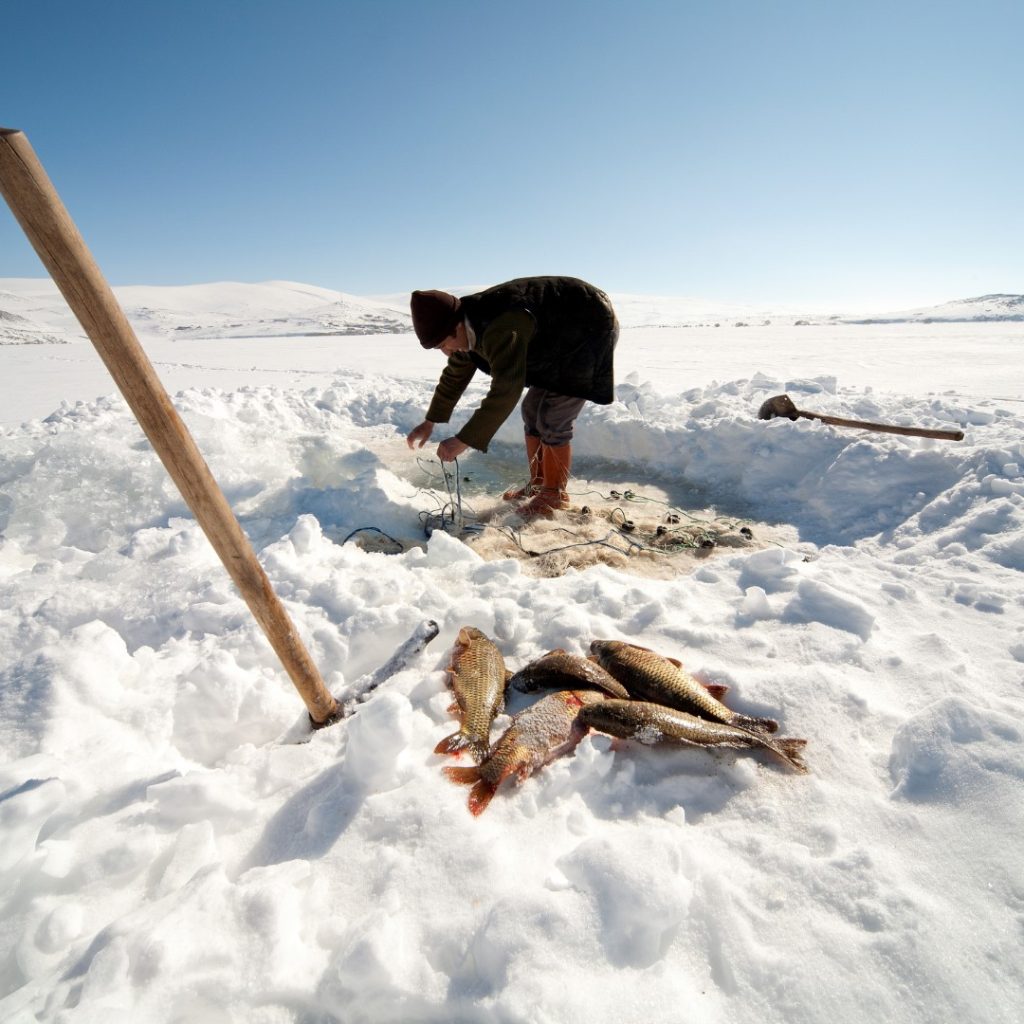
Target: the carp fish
pixel 538 735
pixel 649 676
pixel 477 677
pixel 653 723
pixel 560 670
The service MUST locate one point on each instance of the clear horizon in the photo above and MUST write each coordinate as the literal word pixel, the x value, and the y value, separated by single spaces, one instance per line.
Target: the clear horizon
pixel 795 153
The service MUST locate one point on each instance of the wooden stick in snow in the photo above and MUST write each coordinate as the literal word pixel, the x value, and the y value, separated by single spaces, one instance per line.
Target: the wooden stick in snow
pixel 37 207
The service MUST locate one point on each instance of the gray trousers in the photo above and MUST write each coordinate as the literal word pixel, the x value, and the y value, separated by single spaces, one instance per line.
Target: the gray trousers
pixel 550 416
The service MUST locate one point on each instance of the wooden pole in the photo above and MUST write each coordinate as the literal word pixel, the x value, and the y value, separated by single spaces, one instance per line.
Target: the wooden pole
pixel 37 207
pixel 886 428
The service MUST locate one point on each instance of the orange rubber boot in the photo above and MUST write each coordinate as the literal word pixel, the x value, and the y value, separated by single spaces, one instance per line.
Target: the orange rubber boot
pixel 534 453
pixel 556 465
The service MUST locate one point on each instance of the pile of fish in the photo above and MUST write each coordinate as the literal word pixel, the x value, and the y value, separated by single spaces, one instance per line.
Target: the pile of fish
pixel 626 691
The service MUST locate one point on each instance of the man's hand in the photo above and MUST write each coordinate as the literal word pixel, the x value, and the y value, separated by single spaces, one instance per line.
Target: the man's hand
pixel 420 435
pixel 450 449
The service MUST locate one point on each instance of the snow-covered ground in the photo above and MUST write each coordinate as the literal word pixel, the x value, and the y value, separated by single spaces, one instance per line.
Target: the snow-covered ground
pixel 164 857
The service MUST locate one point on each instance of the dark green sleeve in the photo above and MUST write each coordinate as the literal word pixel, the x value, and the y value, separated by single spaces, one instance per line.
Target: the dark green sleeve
pixel 454 379
pixel 504 345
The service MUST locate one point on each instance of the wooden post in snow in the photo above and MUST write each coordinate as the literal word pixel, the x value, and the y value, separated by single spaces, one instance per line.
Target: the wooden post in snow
pixel 35 203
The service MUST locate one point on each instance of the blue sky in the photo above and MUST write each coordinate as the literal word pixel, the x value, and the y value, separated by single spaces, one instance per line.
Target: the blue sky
pixel 857 153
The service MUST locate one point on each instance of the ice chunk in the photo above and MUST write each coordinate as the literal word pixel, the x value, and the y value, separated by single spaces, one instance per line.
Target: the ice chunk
pixel 377 738
pixel 755 604
pixel 819 602
pixel 444 550
pixel 23 812
pixel 771 569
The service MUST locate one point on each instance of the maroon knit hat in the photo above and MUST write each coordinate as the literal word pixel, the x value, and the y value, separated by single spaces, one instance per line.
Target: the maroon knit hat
pixel 434 316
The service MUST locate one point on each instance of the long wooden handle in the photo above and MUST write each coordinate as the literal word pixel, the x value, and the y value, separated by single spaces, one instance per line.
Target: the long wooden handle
pixel 884 428
pixel 35 203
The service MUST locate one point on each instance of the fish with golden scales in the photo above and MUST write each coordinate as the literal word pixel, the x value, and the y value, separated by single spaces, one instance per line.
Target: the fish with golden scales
pixel 649 676
pixel 652 723
pixel 559 670
pixel 477 677
pixel 538 735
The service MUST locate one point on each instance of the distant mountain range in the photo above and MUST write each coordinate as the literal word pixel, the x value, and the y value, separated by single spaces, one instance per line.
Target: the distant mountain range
pixel 32 312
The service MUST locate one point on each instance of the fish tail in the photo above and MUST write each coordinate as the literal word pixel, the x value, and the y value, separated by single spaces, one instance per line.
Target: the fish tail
pixel 454 744
pixel 459 741
pixel 480 796
pixel 791 751
pixel 482 791
pixel 756 724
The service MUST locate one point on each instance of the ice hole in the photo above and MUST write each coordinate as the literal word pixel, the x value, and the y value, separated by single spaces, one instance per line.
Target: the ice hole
pixel 654 528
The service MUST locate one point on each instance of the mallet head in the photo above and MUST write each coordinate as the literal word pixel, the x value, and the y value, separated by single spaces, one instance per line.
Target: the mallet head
pixel 779 405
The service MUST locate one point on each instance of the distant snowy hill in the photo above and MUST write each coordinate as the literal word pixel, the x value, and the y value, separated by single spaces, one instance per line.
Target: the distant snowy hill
pixel 32 311
pixel 983 308
pixel 26 321
pixel 271 309
pixel 20 330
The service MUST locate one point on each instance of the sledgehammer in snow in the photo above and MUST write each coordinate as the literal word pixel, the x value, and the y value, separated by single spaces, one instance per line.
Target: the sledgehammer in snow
pixel 48 225
pixel 782 405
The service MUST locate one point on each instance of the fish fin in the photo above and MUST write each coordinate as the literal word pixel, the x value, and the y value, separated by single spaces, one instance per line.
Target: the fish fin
pixel 756 724
pixel 717 690
pixel 617 691
pixel 557 650
pixel 791 751
pixel 462 776
pixel 479 797
pixel 459 648
pixel 454 744
pixel 454 708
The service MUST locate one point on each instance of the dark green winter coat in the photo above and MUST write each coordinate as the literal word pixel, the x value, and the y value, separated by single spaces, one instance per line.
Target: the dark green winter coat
pixel 557 333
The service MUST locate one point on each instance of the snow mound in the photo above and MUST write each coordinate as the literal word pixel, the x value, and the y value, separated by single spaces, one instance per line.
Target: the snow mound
pixel 953 752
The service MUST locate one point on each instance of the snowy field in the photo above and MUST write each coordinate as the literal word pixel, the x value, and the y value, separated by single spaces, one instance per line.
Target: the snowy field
pixel 165 857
